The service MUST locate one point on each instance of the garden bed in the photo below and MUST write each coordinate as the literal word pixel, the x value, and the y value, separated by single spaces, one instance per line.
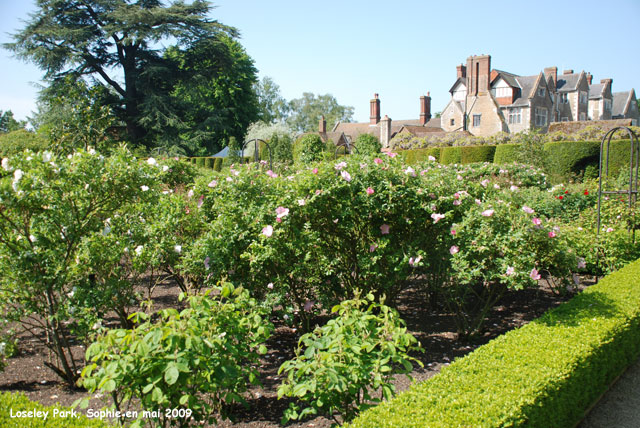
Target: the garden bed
pixel 27 373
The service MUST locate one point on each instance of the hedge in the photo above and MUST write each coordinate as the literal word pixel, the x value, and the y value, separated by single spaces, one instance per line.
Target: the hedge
pixel 419 155
pixel 217 165
pixel 571 157
pixel 618 157
pixel 466 154
pixel 15 402
pixel 505 153
pixel 545 374
pixel 208 163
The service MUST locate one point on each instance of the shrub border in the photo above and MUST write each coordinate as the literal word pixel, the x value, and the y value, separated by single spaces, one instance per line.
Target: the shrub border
pixel 545 374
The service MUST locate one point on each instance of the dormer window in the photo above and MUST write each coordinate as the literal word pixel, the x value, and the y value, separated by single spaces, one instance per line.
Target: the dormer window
pixel 504 92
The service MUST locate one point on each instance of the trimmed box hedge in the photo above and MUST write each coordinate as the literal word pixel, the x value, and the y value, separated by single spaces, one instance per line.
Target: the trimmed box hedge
pixel 208 162
pixel 618 157
pixel 545 374
pixel 505 153
pixel 18 402
pixel 571 157
pixel 466 154
pixel 414 156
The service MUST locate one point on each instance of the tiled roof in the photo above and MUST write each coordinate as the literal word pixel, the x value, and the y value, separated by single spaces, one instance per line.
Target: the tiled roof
pixel 620 103
pixel 568 82
pixel 510 78
pixel 352 130
pixel 595 91
pixel 335 137
pixel 421 131
pixel 462 80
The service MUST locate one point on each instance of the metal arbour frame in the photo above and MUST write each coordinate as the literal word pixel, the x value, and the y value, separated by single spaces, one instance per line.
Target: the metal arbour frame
pixel 256 152
pixel 348 147
pixel 634 160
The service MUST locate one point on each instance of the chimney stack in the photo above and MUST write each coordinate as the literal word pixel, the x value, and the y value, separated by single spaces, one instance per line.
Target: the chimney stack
pixel 385 132
pixel 553 73
pixel 568 71
pixel 425 109
pixel 589 78
pixel 461 71
pixel 374 118
pixel 322 126
pixel 478 74
pixel 605 81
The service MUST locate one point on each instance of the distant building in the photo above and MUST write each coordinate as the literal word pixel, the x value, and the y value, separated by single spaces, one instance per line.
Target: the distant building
pixel 625 106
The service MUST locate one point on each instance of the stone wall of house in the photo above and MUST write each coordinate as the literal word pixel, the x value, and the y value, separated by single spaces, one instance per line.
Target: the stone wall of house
pixel 451 112
pixel 491 119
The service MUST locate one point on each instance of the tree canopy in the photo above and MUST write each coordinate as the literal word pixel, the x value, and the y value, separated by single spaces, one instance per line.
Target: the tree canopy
pixel 8 123
pixel 306 112
pixel 272 105
pixel 119 44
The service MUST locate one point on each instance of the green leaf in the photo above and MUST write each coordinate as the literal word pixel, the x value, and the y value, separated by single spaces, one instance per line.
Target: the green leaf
pixel 171 374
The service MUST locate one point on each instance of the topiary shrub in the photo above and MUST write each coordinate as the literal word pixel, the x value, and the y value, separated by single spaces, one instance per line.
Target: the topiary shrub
pixel 506 153
pixel 566 158
pixel 208 162
pixel 450 155
pixel 200 162
pixel 367 144
pixel 217 165
pixel 17 141
pixel 472 154
pixel 308 148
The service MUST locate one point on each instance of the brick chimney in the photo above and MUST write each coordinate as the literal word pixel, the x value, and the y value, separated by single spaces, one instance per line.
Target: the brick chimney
pixel 461 71
pixel 589 78
pixel 374 118
pixel 553 73
pixel 478 74
pixel 425 109
pixel 322 125
pixel 568 71
pixel 385 131
pixel 605 81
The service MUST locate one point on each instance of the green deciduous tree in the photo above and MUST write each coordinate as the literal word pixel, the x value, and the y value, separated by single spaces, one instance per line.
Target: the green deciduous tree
pixel 306 111
pixel 8 123
pixel 273 107
pixel 116 43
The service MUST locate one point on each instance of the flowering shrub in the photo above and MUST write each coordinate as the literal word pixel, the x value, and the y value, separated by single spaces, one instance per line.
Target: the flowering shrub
pixel 49 206
pixel 197 361
pixel 498 247
pixel 340 365
pixel 367 144
pixel 308 148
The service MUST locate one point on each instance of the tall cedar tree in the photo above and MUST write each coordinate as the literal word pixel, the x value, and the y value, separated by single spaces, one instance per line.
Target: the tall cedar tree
pixel 118 43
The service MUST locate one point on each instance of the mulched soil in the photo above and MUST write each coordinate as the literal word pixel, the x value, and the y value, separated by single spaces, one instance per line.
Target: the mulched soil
pixel 435 331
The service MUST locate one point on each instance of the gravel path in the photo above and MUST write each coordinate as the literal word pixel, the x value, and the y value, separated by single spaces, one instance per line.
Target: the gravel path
pixel 620 406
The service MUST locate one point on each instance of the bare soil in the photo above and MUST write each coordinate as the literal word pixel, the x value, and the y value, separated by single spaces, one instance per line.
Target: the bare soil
pixel 436 332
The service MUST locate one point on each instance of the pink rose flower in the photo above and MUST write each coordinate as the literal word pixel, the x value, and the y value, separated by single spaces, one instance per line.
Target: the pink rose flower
pixel 267 231
pixel 454 249
pixel 370 191
pixel 378 161
pixel 527 210
pixel 384 229
pixel 487 213
pixel 535 275
pixel 437 217
pixel 536 221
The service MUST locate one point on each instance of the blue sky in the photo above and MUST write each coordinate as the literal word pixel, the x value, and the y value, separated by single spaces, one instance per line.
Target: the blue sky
pixel 399 49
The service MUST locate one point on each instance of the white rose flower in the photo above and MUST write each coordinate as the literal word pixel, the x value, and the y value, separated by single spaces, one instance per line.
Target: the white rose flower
pixel 139 250
pixel 178 249
pixel 5 164
pixel 152 161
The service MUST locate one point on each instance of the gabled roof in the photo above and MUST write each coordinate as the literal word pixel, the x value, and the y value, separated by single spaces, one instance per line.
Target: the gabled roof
pixel 420 131
pixel 354 129
pixel 527 85
pixel 336 137
pixel 462 80
pixel 509 78
pixel 621 102
pixel 568 82
pixel 595 91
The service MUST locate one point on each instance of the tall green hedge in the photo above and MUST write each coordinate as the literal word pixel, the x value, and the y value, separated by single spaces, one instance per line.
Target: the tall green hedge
pixel 420 155
pixel 217 165
pixel 545 374
pixel 208 162
pixel 466 154
pixel 570 157
pixel 18 402
pixel 619 153
pixel 505 153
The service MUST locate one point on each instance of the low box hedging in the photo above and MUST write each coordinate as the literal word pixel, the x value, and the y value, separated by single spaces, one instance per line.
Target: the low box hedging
pixel 466 154
pixel 545 374
pixel 570 157
pixel 505 153
pixel 414 156
pixel 18 402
